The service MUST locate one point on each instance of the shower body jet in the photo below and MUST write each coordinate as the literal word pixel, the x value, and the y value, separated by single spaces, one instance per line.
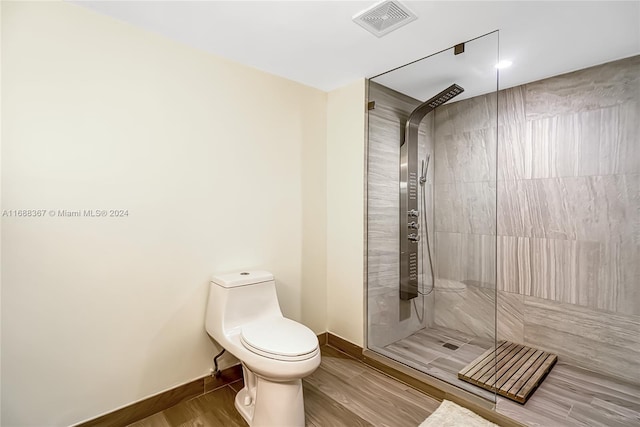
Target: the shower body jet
pixel 409 213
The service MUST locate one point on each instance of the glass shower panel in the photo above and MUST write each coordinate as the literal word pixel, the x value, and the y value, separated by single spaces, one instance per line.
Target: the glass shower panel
pixel 431 211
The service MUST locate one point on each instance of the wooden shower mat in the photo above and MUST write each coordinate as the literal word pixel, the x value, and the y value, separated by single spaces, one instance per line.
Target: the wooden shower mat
pixel 514 371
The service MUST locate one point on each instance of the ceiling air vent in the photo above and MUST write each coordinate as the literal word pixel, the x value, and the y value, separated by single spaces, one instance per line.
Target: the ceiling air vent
pixel 384 17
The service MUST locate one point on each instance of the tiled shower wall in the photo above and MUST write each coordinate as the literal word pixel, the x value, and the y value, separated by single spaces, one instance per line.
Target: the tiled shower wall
pixel 465 215
pixel 389 318
pixel 568 216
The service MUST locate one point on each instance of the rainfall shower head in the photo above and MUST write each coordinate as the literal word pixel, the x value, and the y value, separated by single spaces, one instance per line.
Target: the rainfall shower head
pixel 429 105
pixel 450 92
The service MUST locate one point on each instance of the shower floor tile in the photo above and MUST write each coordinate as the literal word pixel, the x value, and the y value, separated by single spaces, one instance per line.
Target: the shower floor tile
pixel 426 351
pixel 569 396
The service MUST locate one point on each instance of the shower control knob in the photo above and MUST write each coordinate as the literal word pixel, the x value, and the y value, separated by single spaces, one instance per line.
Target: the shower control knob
pixel 414 225
pixel 413 213
pixel 413 237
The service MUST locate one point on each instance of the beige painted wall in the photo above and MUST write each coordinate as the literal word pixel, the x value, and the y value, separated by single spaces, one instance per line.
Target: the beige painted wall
pixel 345 211
pixel 220 166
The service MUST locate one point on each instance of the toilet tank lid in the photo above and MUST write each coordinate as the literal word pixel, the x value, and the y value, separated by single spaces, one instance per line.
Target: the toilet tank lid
pixel 242 278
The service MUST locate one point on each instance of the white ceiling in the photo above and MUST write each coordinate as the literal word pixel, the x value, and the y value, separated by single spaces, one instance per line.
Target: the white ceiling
pixel 474 70
pixel 317 44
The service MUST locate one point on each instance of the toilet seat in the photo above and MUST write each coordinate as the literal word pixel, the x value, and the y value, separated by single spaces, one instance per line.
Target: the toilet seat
pixel 280 339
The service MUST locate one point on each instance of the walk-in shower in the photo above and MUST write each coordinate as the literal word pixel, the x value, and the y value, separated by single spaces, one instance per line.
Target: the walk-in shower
pixel 409 210
pixel 420 221
pixel 501 248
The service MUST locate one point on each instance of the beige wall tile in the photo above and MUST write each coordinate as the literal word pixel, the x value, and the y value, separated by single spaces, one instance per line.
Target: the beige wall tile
pixel 466 157
pixel 603 341
pixel 596 208
pixel 389 318
pixel 466 207
pixel 467 258
pixel 589 89
pixel 510 317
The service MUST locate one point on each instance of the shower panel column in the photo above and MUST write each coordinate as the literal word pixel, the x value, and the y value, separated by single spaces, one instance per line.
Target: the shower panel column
pixel 409 223
pixel 409 213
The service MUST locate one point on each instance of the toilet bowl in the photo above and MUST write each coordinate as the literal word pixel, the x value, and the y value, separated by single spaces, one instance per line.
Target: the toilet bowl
pixel 244 317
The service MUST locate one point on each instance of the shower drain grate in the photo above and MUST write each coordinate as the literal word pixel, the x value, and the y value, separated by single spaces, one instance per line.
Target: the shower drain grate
pixel 450 346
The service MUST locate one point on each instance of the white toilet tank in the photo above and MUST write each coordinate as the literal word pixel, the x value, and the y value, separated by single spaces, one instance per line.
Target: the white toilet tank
pixel 240 298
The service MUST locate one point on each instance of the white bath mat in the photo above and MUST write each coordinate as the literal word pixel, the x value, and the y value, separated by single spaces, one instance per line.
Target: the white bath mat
pixel 449 414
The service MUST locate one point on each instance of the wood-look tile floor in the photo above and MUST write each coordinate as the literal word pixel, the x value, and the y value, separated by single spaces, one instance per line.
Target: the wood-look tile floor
pixel 341 392
pixel 569 396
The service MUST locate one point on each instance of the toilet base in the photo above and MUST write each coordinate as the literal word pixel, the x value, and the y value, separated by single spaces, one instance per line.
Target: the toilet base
pixel 264 403
pixel 245 410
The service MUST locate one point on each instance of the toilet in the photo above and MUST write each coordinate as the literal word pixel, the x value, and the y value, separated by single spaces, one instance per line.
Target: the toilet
pixel 244 317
